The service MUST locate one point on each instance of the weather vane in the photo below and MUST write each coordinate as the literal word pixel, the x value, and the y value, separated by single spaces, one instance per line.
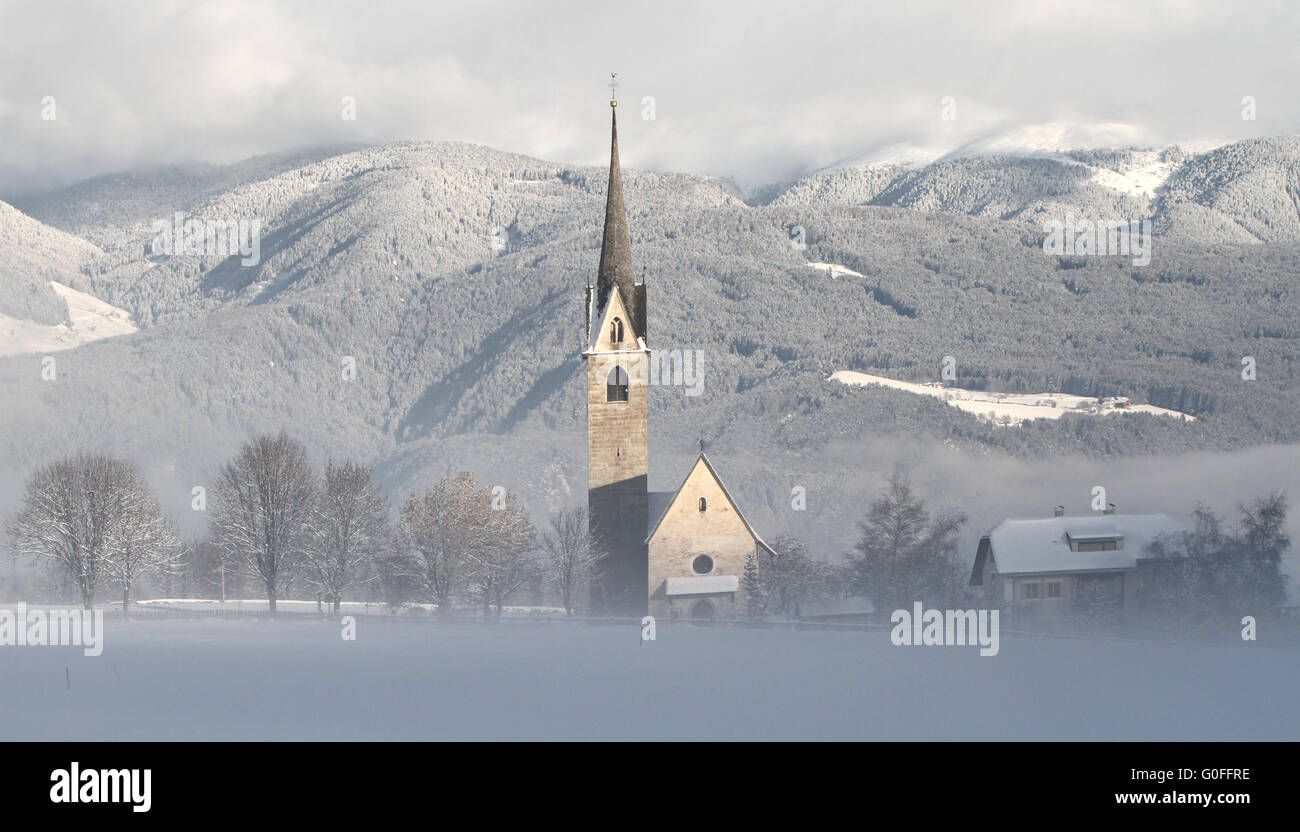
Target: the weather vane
pixel 613 89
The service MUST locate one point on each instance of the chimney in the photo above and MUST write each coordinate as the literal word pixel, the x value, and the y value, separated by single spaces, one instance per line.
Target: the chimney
pixel 1059 511
pixel 1110 508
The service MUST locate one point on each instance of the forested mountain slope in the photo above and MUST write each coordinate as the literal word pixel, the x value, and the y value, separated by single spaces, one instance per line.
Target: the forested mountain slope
pixel 451 277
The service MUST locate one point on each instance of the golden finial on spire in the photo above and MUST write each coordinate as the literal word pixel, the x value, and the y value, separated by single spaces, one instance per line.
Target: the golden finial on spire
pixel 613 89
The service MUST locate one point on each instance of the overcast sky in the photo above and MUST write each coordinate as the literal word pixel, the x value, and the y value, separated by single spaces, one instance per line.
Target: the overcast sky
pixel 759 92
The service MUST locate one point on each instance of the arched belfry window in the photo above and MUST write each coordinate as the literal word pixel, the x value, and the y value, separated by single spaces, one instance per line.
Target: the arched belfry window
pixel 616 385
pixel 704 504
pixel 616 331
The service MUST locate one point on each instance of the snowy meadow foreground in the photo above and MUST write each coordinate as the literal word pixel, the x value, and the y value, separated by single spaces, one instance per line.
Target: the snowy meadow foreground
pixel 254 679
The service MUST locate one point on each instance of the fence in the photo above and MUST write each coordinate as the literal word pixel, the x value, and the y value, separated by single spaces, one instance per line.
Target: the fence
pixel 473 615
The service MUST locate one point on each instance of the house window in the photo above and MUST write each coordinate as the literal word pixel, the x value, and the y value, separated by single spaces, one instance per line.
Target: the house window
pixel 616 385
pixel 1113 544
pixel 704 504
pixel 703 565
pixel 616 331
pixel 1053 589
pixel 1028 591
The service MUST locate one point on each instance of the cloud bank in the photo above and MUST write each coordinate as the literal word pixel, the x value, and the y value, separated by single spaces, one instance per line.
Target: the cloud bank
pixel 755 92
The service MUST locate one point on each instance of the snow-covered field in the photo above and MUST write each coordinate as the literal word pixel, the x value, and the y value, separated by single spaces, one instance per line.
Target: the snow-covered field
pixel 253 605
pixel 1143 179
pixel 1007 408
pixel 835 270
pixel 296 678
pixel 89 320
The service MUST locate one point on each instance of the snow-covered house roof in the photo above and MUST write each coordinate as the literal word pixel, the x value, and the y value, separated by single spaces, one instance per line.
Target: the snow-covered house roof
pixel 1039 546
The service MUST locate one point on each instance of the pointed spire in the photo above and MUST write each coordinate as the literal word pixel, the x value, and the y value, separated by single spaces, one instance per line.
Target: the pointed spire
pixel 616 250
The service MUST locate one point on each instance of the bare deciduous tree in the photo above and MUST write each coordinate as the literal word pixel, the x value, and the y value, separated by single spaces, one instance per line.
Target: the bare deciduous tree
pixel 443 529
pixel 788 574
pixel 503 563
pixel 572 552
pixel 904 556
pixel 1209 576
pixel 400 578
pixel 92 516
pixel 140 543
pixel 264 499
pixel 350 529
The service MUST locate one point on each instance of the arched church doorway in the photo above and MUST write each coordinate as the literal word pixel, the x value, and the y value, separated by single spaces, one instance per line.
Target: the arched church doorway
pixel 702 610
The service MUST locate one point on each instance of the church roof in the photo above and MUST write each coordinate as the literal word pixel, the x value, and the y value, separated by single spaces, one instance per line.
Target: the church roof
pixel 658 501
pixel 616 247
pixel 663 500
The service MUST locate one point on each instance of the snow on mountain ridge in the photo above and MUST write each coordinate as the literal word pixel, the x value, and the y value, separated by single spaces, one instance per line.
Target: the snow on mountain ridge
pixel 1045 139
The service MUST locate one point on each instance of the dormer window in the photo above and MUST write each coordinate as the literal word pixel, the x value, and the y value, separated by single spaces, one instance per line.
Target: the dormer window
pixel 1094 541
pixel 616 332
pixel 616 385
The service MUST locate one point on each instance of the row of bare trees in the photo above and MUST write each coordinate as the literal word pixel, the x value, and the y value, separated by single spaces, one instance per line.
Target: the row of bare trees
pixel 460 541
pixel 455 543
pixel 278 522
pixel 1205 579
pixel 464 540
pixel 274 518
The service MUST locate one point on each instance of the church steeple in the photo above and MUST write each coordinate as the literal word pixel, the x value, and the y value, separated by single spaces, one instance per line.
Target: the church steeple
pixel 616 248
pixel 617 407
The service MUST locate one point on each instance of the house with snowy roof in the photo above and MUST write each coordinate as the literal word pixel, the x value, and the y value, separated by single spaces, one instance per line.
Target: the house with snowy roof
pixel 679 553
pixel 1045 567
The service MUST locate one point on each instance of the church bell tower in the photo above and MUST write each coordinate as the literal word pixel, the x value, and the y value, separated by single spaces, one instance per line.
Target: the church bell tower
pixel 617 361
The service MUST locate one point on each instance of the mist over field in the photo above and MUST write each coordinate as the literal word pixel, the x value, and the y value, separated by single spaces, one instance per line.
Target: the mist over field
pixel 412 680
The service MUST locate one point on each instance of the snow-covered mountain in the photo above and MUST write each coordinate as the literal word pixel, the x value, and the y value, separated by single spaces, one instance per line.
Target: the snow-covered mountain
pixel 1204 192
pixel 451 275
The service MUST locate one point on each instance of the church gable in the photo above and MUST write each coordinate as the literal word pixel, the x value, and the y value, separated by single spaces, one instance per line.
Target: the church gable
pixel 612 327
pixel 718 511
pixel 699 546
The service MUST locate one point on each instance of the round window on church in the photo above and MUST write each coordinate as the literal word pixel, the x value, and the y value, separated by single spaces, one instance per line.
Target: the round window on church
pixel 703 565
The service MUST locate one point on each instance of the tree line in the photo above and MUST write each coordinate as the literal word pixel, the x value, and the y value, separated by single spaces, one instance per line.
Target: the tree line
pixel 278 524
pixel 281 528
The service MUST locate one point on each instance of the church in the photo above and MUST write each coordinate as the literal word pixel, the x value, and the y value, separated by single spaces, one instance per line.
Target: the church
pixel 678 554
